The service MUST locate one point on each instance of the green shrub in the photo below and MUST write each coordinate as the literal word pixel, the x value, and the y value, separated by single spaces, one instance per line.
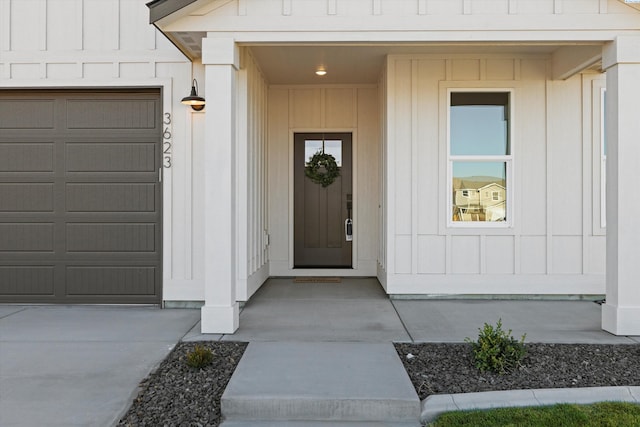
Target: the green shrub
pixel 199 357
pixel 496 350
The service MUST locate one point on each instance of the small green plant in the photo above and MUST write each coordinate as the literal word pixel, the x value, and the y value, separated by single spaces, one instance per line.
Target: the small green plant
pixel 496 350
pixel 199 357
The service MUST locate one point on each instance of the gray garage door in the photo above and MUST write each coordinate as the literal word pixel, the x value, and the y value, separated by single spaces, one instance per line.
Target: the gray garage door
pixel 80 201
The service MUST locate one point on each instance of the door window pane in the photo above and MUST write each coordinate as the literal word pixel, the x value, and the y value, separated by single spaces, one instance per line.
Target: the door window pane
pixel 330 146
pixel 334 147
pixel 311 147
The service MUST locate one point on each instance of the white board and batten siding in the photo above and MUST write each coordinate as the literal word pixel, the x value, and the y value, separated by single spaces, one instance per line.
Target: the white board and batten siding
pixel 253 232
pixel 555 244
pixel 267 8
pixel 418 20
pixel 103 44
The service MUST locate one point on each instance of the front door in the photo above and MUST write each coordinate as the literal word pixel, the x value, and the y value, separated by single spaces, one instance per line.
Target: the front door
pixel 322 200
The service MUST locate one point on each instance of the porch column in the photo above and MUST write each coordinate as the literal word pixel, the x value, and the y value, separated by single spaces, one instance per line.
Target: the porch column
pixel 621 60
pixel 220 312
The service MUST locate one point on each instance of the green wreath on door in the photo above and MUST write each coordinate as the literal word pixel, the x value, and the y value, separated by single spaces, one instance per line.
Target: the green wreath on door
pixel 322 169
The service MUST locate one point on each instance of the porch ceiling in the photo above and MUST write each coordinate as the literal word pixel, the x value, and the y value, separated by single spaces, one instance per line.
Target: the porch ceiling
pixel 362 64
pixel 295 64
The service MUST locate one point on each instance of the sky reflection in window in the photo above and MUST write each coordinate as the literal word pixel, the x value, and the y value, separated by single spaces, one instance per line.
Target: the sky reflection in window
pixel 479 130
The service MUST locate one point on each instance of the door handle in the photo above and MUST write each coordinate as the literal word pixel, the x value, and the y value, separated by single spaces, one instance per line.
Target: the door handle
pixel 348 223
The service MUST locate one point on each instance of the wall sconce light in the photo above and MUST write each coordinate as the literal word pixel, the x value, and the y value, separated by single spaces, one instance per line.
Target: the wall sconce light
pixel 196 102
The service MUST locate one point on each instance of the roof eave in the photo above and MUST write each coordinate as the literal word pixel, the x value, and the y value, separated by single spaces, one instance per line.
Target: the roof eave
pixel 159 9
pixel 632 3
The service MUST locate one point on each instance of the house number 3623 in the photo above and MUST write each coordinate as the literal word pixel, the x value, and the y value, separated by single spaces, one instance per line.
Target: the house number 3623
pixel 167 146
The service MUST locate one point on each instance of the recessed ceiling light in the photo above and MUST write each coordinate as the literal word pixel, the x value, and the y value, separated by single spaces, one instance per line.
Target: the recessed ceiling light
pixel 321 72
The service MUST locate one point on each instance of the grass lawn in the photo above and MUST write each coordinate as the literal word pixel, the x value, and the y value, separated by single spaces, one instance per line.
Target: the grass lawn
pixel 614 414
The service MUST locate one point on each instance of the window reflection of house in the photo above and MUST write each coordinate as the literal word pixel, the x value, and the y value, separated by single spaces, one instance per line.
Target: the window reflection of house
pixel 479 201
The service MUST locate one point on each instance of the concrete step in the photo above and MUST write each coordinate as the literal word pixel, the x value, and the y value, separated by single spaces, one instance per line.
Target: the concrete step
pixel 328 381
pixel 317 424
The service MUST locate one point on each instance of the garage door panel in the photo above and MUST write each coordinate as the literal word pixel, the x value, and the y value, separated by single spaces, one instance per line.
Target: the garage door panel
pixel 26 197
pixel 26 157
pixel 27 114
pixel 111 157
pixel 27 280
pixel 116 237
pixel 80 198
pixel 110 197
pixel 26 237
pixel 111 114
pixel 100 280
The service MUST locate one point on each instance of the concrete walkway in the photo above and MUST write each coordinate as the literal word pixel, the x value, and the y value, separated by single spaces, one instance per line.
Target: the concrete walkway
pixel 358 311
pixel 81 365
pixel 321 381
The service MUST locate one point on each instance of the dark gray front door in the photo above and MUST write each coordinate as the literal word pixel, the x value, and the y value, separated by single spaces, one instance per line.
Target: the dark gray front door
pixel 80 201
pixel 320 213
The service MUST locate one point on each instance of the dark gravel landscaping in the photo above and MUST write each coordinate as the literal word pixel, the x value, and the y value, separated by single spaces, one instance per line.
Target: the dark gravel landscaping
pixel 448 368
pixel 177 395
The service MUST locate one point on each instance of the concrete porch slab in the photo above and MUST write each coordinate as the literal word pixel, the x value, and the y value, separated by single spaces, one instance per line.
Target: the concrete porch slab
pixel 347 288
pixel 195 334
pixel 353 310
pixel 572 322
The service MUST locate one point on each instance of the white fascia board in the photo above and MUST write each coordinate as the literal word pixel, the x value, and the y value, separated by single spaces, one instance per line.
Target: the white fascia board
pixel 464 24
pixel 459 38
pixel 416 37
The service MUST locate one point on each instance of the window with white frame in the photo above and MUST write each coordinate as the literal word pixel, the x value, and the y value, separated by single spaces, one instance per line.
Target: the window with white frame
pixel 480 156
